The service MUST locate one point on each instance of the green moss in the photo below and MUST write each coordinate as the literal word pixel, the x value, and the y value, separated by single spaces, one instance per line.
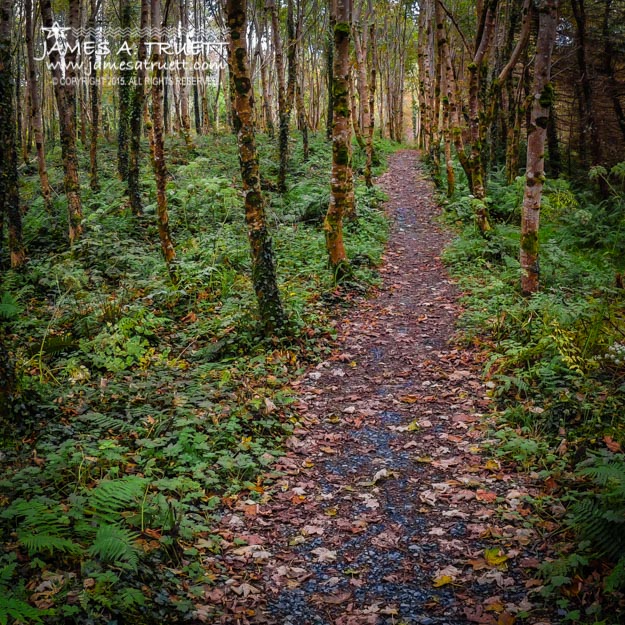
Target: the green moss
pixel 529 243
pixel 342 28
pixel 547 96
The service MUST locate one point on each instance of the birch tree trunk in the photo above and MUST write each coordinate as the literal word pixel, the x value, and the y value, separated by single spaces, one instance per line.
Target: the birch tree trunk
pixel 342 184
pixel 543 95
pixel 263 266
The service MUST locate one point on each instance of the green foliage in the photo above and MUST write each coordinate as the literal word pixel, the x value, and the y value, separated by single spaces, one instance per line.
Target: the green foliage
pixel 143 403
pixel 555 365
pixel 600 516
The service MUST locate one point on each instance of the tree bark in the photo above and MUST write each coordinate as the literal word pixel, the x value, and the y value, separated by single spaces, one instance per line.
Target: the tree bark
pixel 158 143
pixel 542 91
pixel 341 181
pixel 65 96
pixel 137 104
pixel 9 189
pixel 36 121
pixel 94 93
pixel 284 112
pixel 123 94
pixel 263 266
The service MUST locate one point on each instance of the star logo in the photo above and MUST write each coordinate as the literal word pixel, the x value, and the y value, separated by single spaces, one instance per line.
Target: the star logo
pixel 56 31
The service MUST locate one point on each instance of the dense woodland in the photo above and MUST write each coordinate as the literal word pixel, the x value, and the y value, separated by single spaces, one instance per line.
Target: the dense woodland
pixel 188 206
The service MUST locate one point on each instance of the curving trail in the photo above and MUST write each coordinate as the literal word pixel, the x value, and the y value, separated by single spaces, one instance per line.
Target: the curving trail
pixel 387 511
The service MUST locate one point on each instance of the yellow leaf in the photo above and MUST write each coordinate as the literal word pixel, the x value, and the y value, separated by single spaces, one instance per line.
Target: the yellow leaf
pixel 495 557
pixel 442 580
pixel 409 399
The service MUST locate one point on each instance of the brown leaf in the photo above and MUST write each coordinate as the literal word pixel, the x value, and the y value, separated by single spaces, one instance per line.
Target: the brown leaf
pixel 485 496
pixel 611 444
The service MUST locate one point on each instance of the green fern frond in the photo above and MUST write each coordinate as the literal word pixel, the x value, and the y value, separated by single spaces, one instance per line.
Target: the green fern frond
pixel 19 611
pixel 47 543
pixel 9 308
pixel 111 497
pixel 105 423
pixel 616 579
pixel 116 544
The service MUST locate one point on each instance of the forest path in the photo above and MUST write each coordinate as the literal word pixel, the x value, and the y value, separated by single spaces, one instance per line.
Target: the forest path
pixel 386 511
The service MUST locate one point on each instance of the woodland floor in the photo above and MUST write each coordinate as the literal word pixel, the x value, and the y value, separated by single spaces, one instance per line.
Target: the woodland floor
pixel 387 508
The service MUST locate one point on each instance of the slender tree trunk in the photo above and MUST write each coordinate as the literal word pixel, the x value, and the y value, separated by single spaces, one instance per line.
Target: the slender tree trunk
pixel 123 94
pixel 330 77
pixel 284 112
pixel 542 91
pixel 341 182
pixel 158 144
pixel 372 87
pixel 36 121
pixel 137 104
pixel 264 84
pixel 9 189
pixel 294 69
pixel 95 100
pixel 65 95
pixel 361 44
pixel 185 118
pixel 263 266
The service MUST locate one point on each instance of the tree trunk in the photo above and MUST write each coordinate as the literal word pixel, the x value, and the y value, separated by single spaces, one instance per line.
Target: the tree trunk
pixel 95 101
pixel 330 77
pixel 137 104
pixel 446 75
pixel 158 144
pixel 302 123
pixel 9 189
pixel 123 93
pixel 342 181
pixel 263 266
pixel 185 118
pixel 589 137
pixel 372 86
pixel 284 112
pixel 542 90
pixel 36 121
pixel 65 95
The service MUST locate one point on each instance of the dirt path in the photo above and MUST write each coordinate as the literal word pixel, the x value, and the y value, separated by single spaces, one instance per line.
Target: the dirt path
pixel 387 511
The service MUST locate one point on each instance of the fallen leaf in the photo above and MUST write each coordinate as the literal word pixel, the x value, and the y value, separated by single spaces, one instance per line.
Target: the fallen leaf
pixel 485 496
pixel 324 555
pixel 495 557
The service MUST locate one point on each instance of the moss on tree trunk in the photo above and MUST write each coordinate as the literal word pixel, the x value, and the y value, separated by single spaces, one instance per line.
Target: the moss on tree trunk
pixel 263 265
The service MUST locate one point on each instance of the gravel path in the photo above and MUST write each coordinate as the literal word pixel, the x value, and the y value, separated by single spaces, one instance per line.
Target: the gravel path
pixel 387 511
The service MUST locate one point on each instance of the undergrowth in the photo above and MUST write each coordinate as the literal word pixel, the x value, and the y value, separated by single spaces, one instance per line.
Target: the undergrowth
pixel 555 365
pixel 145 409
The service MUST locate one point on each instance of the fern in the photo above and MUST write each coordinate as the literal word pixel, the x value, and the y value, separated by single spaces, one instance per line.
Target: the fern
pixel 9 308
pixel 42 529
pixel 600 516
pixel 105 423
pixel 47 543
pixel 19 611
pixel 116 545
pixel 111 497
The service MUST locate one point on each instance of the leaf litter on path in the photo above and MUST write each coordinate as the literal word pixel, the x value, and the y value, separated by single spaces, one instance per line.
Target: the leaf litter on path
pixel 388 510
